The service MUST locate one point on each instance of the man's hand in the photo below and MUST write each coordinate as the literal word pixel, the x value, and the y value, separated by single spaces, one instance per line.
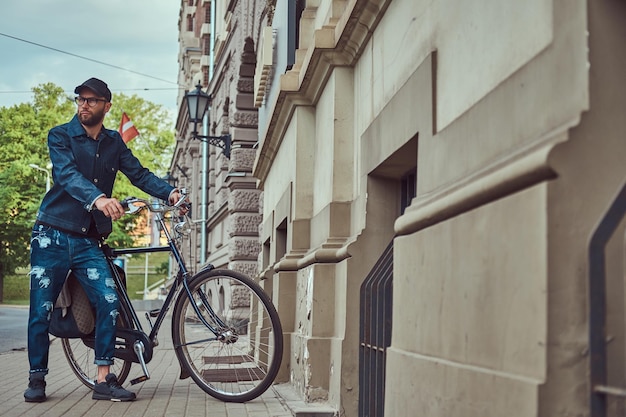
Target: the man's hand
pixel 110 207
pixel 174 198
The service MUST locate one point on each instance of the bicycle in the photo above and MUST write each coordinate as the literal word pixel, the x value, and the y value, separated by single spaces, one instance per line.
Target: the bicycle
pixel 226 332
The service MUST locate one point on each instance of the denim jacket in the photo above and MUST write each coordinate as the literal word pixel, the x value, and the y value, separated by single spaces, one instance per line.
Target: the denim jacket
pixel 85 169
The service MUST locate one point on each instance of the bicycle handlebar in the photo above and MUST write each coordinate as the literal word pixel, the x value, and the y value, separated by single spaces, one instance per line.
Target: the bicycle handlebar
pixel 131 204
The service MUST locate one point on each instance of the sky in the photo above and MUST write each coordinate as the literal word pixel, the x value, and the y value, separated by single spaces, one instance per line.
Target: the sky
pixel 134 41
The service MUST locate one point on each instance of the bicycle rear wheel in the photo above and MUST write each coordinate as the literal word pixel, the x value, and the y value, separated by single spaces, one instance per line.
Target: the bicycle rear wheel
pixel 238 357
pixel 81 357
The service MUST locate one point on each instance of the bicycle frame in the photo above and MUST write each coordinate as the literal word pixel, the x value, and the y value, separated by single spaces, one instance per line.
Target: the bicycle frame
pixel 182 277
pixel 226 331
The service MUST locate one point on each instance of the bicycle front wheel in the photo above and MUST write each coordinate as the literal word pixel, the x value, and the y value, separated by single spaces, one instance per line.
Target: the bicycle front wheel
pixel 231 342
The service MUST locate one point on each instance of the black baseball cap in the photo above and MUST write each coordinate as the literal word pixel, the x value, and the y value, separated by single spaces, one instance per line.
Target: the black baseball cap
pixel 97 86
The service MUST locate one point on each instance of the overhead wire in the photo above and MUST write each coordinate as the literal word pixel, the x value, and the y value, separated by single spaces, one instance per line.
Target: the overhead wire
pixel 86 58
pixel 97 62
pixel 125 89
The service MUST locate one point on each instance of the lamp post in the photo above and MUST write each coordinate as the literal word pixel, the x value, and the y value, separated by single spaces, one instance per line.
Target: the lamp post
pixel 47 171
pixel 199 103
pixel 171 180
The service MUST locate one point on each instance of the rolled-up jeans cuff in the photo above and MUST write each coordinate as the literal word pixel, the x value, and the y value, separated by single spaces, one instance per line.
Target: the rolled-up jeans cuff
pixel 38 373
pixel 103 361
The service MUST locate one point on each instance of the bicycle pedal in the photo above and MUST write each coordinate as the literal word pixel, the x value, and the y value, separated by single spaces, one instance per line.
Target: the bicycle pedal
pixel 155 312
pixel 142 378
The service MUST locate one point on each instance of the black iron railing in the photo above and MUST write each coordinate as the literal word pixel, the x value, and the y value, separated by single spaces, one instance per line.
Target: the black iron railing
pixel 600 391
pixel 375 334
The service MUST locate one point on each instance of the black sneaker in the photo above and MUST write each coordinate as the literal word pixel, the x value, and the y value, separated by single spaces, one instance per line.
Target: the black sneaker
pixel 112 390
pixel 36 392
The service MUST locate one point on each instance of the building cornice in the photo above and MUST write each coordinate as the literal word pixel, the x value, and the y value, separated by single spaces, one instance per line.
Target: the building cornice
pixel 332 46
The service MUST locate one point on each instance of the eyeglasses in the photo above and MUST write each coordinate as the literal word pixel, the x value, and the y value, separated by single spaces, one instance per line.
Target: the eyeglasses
pixel 91 101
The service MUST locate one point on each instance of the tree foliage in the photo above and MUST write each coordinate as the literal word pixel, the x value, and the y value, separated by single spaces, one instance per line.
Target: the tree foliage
pixel 23 141
pixel 153 147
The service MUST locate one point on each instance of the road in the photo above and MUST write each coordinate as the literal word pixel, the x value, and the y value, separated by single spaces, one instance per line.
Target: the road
pixel 13 322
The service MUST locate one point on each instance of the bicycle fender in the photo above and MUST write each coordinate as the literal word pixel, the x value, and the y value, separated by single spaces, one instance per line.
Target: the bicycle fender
pixel 183 372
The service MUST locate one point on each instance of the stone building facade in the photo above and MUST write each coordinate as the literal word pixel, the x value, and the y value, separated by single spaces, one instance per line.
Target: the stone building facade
pixel 429 175
pixel 220 57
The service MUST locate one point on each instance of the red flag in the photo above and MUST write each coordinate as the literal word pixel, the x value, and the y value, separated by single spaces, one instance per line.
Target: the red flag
pixel 127 129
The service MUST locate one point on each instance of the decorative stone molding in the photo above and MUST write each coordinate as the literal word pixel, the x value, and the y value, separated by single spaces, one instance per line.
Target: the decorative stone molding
pixel 244 248
pixel 265 60
pixel 506 176
pixel 331 252
pixel 244 118
pixel 248 268
pixel 270 8
pixel 242 159
pixel 245 85
pixel 244 224
pixel 244 200
pixel 301 86
pixel 248 56
pixel 240 297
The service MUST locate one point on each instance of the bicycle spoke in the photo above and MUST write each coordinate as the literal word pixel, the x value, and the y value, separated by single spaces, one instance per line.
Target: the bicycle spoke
pixel 211 339
pixel 81 357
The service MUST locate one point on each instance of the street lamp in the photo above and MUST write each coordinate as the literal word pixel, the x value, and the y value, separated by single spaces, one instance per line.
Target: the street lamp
pixel 199 103
pixel 171 180
pixel 37 167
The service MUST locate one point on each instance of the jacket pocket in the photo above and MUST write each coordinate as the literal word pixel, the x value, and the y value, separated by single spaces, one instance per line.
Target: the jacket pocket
pixel 110 171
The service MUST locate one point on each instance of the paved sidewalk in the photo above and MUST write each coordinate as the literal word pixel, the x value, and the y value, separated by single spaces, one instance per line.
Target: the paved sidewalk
pixel 163 395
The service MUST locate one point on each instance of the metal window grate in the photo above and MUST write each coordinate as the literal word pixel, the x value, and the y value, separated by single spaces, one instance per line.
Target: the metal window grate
pixel 375 334
pixel 598 361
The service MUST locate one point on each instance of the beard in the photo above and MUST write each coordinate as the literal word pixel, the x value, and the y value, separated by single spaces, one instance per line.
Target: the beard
pixel 92 119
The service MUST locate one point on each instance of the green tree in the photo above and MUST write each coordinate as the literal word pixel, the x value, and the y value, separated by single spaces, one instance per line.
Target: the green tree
pixel 23 141
pixel 153 147
pixel 23 136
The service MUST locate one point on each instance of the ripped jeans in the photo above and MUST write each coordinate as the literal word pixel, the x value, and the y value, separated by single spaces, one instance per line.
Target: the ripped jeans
pixel 53 253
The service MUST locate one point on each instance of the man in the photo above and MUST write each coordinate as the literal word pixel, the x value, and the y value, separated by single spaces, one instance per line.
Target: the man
pixel 74 216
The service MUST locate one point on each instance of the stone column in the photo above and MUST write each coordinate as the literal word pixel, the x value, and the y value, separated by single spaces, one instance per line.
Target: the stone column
pixel 243 203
